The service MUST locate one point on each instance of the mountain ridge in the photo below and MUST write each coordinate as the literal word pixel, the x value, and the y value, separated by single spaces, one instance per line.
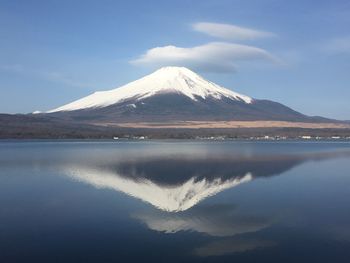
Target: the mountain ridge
pixel 175 94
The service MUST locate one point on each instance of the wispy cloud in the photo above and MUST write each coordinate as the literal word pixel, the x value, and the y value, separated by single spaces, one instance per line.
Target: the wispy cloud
pixel 212 57
pixel 230 32
pixel 53 76
pixel 338 45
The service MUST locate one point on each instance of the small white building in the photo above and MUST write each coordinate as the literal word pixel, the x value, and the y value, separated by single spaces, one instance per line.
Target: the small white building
pixel 306 137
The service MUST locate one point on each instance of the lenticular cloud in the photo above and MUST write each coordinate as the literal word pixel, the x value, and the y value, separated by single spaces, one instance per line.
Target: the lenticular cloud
pixel 212 57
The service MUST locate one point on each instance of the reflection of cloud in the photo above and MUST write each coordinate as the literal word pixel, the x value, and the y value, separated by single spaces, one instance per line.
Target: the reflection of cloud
pixel 230 246
pixel 169 198
pixel 214 57
pixel 214 220
pixel 228 31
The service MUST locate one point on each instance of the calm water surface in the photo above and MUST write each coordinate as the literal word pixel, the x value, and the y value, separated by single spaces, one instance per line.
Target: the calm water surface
pixel 174 201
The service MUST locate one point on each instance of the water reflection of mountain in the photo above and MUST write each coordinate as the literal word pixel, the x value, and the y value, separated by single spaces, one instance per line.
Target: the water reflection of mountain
pixel 178 183
pixel 173 198
pixel 176 171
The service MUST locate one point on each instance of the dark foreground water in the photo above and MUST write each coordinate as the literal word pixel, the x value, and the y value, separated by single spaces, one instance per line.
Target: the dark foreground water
pixel 179 201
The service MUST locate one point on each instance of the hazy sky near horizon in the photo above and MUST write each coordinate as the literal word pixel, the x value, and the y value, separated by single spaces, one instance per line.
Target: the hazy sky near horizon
pixel 294 52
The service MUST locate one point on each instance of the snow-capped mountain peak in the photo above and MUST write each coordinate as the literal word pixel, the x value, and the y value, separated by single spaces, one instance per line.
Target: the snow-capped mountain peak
pixel 178 80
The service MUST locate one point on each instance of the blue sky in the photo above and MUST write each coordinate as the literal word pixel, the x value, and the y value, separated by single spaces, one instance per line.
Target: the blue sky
pixel 293 52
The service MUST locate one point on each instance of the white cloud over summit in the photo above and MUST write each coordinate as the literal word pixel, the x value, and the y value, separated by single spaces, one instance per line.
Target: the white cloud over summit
pixel 230 32
pixel 213 56
pixel 210 57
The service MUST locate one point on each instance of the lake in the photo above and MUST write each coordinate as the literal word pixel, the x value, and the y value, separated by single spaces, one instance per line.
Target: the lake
pixel 174 201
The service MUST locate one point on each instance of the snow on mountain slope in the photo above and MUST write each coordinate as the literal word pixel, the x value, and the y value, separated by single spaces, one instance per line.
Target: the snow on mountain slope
pixel 165 80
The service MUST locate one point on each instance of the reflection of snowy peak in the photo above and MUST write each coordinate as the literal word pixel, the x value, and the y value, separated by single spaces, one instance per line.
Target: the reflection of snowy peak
pixel 167 198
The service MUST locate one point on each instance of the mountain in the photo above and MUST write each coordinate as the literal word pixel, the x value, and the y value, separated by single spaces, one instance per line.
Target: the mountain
pixel 172 102
pixel 167 80
pixel 174 94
